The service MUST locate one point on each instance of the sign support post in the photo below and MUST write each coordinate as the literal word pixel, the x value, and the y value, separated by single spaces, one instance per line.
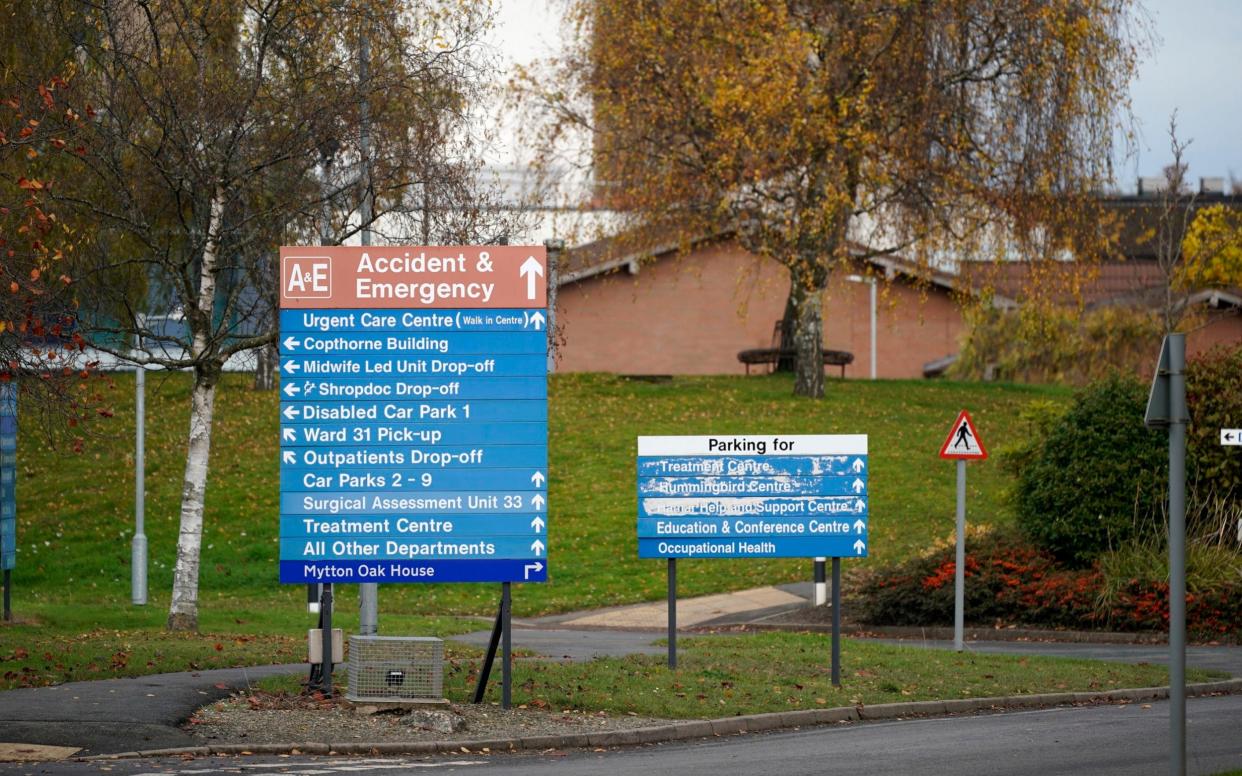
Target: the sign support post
pixel 325 625
pixel 836 622
pixel 821 582
pixel 1166 408
pixel 672 612
pixel 506 646
pixel 959 575
pixel 963 444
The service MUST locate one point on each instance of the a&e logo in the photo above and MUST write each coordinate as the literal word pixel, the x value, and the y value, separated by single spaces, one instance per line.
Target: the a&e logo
pixel 307 277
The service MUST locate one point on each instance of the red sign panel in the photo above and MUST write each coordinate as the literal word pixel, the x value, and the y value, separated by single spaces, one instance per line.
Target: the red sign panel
pixel 413 277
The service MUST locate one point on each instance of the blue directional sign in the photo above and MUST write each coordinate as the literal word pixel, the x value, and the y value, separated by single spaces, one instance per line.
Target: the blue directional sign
pixel 8 475
pixel 413 442
pixel 752 496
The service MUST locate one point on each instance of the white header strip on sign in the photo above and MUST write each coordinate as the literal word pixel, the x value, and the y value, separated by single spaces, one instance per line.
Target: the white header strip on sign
pixel 769 445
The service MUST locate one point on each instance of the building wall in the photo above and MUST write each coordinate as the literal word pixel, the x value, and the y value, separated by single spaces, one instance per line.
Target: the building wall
pixel 1222 328
pixel 692 314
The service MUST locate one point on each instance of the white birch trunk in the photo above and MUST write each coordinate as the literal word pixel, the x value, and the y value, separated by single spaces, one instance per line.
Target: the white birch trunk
pixel 183 611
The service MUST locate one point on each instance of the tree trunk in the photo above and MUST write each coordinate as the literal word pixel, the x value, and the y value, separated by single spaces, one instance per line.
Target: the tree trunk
pixel 806 296
pixel 183 612
pixel 786 340
pixel 265 367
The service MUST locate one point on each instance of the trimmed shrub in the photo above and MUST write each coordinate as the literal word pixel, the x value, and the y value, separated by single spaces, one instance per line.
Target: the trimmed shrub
pixel 1011 582
pixel 1214 398
pixel 1092 479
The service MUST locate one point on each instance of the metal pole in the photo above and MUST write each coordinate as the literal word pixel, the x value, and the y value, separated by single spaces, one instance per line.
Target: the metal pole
pixel 672 612
pixel 8 597
pixel 493 643
pixel 959 575
pixel 1177 553
pixel 836 622
pixel 873 368
pixel 821 582
pixel 506 647
pixel 138 548
pixel 368 592
pixel 326 625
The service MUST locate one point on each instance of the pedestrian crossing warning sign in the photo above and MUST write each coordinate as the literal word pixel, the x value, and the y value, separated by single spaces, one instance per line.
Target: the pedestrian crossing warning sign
pixel 963 442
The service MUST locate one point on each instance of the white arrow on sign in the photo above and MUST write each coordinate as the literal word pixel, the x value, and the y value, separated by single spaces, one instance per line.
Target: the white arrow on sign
pixel 859 525
pixel 538 479
pixel 290 413
pixel 530 269
pixel 859 546
pixel 290 367
pixel 537 524
pixel 289 434
pixel 538 501
pixel 290 343
pixel 291 389
pixel 537 320
pixel 289 456
pixel 859 485
pixel 535 567
pixel 860 505
pixel 536 547
pixel 858 466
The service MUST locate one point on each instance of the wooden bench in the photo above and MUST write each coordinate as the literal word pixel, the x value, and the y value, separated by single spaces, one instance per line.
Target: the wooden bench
pixel 771 356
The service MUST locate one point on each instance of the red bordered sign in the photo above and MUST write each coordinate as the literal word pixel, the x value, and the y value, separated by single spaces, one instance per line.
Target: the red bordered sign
pixel 963 443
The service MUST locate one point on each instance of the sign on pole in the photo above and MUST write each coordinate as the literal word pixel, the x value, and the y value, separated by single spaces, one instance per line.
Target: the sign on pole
pixel 8 492
pixel 413 416
pixel 1231 436
pixel 752 496
pixel 963 442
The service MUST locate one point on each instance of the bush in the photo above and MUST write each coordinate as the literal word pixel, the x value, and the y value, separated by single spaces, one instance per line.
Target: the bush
pixel 1092 479
pixel 1011 582
pixel 1214 398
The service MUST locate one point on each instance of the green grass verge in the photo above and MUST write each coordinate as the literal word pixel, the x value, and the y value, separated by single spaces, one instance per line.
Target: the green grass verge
pixel 75 518
pixel 720 676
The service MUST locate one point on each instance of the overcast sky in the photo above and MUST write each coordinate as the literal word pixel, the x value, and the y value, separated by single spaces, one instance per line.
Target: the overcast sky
pixel 1193 68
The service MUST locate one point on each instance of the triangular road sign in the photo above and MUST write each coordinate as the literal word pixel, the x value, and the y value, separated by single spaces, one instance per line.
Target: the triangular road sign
pixel 963 442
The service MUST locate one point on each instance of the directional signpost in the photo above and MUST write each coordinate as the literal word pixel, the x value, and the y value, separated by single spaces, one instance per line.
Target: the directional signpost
pixel 1231 436
pixel 752 497
pixel 413 416
pixel 963 444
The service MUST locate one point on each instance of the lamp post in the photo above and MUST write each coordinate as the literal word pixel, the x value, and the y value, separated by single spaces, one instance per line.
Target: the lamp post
pixel 871 282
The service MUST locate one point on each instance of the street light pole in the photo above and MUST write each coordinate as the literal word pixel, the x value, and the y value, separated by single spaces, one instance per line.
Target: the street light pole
pixel 870 281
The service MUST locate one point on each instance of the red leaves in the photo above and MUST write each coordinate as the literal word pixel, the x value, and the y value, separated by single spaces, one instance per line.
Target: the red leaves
pixel 29 184
pixel 46 94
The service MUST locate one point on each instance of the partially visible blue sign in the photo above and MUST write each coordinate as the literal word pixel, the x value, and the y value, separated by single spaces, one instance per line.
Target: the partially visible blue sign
pixel 8 475
pixel 752 496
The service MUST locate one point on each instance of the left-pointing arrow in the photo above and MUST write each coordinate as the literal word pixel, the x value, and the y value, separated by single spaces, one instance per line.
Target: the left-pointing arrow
pixel 290 367
pixel 290 413
pixel 290 343
pixel 291 389
pixel 289 456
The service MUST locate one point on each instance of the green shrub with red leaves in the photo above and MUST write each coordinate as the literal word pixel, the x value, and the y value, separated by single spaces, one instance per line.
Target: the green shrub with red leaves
pixel 1011 582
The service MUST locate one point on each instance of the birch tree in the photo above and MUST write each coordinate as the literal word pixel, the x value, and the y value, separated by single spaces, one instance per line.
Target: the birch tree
pixel 816 131
pixel 218 131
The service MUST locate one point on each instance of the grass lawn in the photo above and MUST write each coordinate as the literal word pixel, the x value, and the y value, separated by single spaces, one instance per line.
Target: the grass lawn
pixel 719 676
pixel 75 511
